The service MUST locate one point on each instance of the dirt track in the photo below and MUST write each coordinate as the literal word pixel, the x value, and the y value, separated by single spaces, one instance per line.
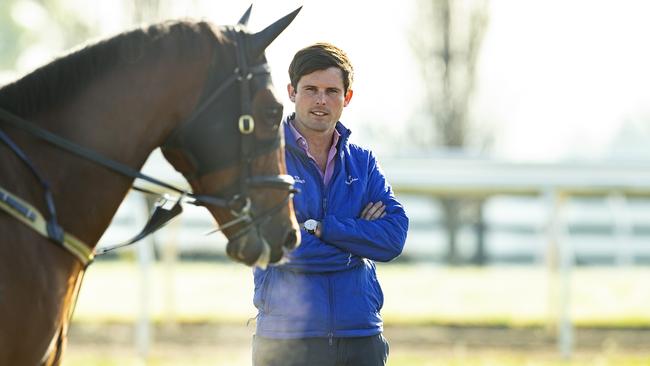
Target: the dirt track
pixel 413 337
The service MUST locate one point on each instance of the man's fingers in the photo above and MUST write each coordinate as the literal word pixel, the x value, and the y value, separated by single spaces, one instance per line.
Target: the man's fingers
pixel 370 210
pixel 373 211
pixel 380 211
pixel 370 215
pixel 364 212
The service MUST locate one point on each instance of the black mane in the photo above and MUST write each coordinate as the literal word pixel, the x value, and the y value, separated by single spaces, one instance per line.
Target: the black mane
pixel 67 76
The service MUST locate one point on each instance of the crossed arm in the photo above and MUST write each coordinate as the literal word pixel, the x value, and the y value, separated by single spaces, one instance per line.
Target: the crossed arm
pixel 372 211
pixel 378 233
pixel 317 255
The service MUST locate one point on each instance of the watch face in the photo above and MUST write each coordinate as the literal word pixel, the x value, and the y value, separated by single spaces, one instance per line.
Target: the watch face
pixel 310 225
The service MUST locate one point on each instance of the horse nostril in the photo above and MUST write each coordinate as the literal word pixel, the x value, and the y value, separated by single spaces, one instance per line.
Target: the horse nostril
pixel 291 239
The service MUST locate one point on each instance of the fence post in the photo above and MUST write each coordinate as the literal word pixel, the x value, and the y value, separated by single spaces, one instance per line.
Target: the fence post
pixel 623 228
pixel 144 252
pixel 560 261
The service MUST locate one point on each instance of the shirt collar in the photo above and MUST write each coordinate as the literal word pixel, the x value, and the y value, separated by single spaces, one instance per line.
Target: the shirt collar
pixel 302 141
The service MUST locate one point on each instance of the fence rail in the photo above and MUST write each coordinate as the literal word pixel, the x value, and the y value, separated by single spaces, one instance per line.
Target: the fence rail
pixel 552 184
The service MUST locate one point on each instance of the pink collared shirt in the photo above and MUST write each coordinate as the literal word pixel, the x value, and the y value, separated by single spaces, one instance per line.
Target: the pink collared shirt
pixel 329 166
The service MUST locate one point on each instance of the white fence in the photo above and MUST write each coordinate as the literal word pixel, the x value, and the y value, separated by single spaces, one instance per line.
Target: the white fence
pixel 605 208
pixel 545 201
pixel 554 184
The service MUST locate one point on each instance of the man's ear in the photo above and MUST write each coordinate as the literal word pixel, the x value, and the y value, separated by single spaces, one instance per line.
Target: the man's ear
pixel 348 97
pixel 292 92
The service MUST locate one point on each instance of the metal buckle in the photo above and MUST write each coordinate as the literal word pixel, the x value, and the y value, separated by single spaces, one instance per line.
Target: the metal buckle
pixel 241 77
pixel 240 206
pixel 246 124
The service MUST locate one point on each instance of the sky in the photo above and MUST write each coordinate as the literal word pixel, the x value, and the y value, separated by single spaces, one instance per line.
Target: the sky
pixel 557 80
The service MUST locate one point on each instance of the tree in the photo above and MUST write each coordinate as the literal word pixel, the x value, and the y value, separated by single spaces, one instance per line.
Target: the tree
pixel 33 25
pixel 146 11
pixel 61 20
pixel 447 44
pixel 10 44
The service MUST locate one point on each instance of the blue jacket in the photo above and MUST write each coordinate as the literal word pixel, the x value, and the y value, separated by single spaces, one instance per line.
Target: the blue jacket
pixel 328 287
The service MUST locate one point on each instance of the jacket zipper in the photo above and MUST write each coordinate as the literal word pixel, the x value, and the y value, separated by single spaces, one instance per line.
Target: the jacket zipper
pixel 330 335
pixel 324 192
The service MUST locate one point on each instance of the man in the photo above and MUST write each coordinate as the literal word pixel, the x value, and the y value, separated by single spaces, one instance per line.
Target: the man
pixel 321 307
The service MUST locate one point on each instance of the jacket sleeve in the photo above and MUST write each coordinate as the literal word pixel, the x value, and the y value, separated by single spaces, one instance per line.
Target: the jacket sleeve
pixel 381 239
pixel 315 256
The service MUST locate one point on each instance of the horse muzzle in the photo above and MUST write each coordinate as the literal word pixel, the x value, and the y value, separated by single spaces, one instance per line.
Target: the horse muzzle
pixel 253 249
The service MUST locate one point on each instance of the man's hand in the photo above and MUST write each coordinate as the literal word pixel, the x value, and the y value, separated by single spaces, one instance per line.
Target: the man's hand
pixel 373 211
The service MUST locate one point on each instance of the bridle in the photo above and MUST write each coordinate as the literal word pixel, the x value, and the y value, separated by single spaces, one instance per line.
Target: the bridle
pixel 239 203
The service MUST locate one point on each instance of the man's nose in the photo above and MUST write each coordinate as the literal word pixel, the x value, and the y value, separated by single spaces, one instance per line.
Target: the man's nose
pixel 320 97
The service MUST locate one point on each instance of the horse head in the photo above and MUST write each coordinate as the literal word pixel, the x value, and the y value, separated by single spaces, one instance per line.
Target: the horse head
pixel 231 148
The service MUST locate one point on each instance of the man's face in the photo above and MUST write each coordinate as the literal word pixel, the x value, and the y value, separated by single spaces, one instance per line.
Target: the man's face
pixel 319 99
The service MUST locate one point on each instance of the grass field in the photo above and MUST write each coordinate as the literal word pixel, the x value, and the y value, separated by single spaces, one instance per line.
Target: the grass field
pixel 199 312
pixel 510 296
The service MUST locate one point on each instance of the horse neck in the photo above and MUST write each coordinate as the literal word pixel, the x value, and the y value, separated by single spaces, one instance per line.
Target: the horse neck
pixel 123 116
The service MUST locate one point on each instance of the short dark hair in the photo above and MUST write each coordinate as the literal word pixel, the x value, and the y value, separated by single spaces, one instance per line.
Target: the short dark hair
pixel 320 56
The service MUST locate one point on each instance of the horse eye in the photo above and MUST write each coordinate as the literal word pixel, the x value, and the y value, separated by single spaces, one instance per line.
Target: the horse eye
pixel 273 112
pixel 273 115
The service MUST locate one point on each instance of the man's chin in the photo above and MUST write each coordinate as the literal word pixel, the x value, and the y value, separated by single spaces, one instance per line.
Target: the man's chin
pixel 317 124
pixel 320 126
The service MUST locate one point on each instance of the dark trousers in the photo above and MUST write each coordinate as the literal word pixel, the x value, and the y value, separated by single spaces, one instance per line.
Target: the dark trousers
pixel 359 351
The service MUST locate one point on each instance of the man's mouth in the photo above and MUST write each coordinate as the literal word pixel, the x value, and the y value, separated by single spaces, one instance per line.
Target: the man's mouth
pixel 319 113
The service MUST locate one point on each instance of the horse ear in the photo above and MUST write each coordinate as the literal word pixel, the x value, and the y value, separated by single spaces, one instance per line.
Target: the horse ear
pixel 260 40
pixel 244 18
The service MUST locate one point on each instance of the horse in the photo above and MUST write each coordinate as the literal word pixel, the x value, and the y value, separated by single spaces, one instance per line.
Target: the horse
pixel 201 92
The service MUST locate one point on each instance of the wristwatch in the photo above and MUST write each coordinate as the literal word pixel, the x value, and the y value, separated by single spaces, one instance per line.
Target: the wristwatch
pixel 311 225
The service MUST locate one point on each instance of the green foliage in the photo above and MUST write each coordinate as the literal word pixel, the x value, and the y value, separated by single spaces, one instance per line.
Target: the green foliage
pixel 60 19
pixel 70 22
pixel 12 39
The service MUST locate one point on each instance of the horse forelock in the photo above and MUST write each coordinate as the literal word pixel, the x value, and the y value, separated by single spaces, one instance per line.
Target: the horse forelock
pixel 68 75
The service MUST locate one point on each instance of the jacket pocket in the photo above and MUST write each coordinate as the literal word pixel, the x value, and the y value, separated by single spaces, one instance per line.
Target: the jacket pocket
pixel 376 292
pixel 260 298
pixel 295 294
pixel 359 299
pixel 296 303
